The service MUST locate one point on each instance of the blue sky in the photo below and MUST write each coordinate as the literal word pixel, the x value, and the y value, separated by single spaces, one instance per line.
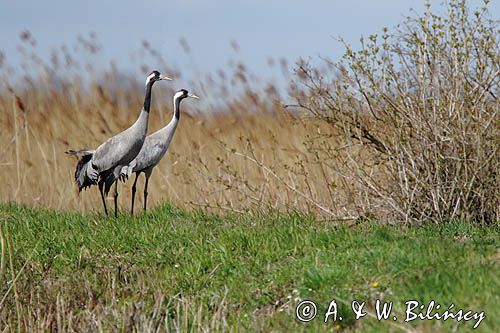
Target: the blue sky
pixel 263 29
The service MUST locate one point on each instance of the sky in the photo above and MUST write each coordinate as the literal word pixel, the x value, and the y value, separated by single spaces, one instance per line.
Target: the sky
pixel 263 29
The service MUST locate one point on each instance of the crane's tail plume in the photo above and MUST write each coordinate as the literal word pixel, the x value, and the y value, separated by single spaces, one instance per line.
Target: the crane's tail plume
pixel 85 174
pixel 127 170
pixel 107 178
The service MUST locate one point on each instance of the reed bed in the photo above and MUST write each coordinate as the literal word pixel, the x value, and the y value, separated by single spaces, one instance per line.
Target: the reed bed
pixel 244 156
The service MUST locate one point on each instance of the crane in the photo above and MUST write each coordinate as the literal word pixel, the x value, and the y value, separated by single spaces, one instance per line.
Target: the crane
pixel 154 148
pixel 102 165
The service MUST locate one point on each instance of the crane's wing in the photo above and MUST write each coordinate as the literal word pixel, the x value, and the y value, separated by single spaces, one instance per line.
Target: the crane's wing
pixel 150 155
pixel 112 151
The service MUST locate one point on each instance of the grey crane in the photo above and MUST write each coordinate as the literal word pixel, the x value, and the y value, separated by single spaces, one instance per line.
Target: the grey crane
pixel 102 166
pixel 154 148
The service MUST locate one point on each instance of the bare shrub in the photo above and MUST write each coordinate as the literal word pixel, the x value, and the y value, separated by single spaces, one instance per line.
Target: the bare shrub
pixel 419 111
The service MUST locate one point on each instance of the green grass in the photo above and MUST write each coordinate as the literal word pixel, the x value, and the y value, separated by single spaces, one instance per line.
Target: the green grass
pixel 168 268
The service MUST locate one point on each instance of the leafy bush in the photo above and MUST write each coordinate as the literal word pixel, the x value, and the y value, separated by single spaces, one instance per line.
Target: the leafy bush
pixel 422 103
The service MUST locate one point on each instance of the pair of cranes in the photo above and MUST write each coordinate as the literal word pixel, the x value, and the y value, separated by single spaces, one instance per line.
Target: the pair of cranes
pixel 130 151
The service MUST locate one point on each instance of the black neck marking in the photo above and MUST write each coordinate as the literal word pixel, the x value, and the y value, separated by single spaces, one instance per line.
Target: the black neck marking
pixel 177 108
pixel 147 99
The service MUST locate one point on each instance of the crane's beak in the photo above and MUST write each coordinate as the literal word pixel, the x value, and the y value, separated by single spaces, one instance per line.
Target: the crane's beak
pixel 193 96
pixel 163 77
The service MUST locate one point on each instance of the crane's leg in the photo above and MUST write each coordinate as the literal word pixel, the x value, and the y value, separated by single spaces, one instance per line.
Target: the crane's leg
pixel 133 192
pixel 146 190
pixel 102 197
pixel 116 198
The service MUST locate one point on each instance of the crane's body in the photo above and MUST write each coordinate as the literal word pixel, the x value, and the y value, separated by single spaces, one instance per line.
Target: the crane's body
pixel 102 166
pixel 154 148
pixel 122 148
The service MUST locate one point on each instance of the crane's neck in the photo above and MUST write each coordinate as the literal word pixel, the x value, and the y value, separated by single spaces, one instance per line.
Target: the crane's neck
pixel 177 109
pixel 147 98
pixel 168 131
pixel 141 124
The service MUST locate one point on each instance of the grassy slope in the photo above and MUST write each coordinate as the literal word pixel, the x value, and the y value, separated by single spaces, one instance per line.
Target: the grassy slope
pixel 240 271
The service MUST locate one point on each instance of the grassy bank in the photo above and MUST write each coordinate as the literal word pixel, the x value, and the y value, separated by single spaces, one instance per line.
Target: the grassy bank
pixel 170 269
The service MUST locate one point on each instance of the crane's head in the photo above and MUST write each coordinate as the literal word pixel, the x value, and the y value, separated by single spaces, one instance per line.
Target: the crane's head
pixel 156 76
pixel 183 93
